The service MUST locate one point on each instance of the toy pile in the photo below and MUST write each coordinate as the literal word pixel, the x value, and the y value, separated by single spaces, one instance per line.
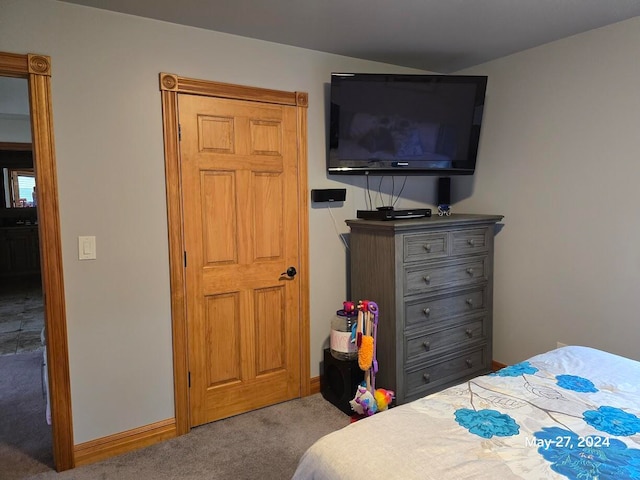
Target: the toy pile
pixel 368 399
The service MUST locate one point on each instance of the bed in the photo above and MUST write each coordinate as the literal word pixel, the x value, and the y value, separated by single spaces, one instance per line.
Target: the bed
pixel 572 413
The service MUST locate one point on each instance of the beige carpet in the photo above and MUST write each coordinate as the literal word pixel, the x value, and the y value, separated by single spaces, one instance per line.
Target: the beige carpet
pixel 264 444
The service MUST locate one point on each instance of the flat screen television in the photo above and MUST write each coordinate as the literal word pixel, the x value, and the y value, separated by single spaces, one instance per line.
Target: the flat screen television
pixel 403 124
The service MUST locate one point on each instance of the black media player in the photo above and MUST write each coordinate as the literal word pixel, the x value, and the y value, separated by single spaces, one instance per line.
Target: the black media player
pixel 391 214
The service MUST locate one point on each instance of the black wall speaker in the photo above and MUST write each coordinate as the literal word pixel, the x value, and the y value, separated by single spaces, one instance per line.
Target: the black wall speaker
pixel 444 191
pixel 340 380
pixel 329 195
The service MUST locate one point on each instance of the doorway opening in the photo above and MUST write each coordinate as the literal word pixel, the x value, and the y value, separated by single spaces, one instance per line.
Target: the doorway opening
pixel 25 421
pixel 36 69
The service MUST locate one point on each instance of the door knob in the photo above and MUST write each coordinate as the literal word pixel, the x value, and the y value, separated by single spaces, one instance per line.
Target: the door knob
pixel 291 272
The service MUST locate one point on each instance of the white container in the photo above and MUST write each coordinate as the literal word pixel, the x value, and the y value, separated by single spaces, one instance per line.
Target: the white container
pixel 341 326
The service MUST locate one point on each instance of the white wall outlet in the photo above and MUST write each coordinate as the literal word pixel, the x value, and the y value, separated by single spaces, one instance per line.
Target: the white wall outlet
pixel 86 248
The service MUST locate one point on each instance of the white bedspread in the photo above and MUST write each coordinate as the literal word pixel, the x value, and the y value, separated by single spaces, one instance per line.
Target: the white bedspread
pixel 569 413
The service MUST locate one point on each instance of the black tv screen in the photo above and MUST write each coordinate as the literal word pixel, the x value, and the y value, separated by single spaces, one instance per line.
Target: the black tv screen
pixel 401 124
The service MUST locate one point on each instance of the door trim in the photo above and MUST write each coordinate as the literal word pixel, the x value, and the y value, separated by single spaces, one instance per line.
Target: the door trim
pixel 170 87
pixel 37 70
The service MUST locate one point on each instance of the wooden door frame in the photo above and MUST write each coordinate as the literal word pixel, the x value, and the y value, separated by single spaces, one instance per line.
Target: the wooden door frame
pixel 37 70
pixel 170 87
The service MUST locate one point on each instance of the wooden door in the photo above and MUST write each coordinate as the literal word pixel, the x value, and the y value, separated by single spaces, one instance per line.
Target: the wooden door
pixel 240 211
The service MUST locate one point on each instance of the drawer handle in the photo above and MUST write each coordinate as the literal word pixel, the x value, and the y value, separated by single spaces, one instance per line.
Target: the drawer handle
pixel 469 363
pixel 469 302
pixel 469 332
pixel 426 377
pixel 426 345
pixel 427 279
pixel 470 271
pixel 471 242
pixel 427 247
pixel 426 311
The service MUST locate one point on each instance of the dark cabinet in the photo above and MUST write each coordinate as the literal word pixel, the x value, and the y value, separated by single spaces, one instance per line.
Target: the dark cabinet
pixel 19 251
pixel 432 279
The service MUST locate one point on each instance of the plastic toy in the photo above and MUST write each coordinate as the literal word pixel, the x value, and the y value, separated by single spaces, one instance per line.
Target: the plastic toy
pixel 368 400
pixel 361 336
pixel 444 210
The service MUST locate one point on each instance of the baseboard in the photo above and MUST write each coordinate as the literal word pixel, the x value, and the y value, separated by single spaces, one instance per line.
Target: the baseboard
pixel 315 385
pixel 495 366
pixel 106 447
pixel 112 445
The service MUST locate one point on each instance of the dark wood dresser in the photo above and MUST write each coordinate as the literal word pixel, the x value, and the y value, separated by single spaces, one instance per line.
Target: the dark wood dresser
pixel 432 279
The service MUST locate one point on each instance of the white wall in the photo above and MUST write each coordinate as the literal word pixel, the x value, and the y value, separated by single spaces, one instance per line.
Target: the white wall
pixel 15 125
pixel 108 134
pixel 15 128
pixel 560 158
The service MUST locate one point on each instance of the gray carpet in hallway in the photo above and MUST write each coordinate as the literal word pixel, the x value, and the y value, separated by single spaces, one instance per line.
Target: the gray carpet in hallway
pixel 25 437
pixel 264 444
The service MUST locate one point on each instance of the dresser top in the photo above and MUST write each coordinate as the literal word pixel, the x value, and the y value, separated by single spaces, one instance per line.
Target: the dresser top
pixel 455 220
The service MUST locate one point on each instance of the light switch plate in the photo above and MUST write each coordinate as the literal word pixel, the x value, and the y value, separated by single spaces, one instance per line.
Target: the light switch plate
pixel 87 248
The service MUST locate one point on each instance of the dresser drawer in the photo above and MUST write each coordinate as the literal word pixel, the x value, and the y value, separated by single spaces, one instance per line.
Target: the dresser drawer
pixel 425 246
pixel 469 241
pixel 444 370
pixel 419 346
pixel 423 278
pixel 430 311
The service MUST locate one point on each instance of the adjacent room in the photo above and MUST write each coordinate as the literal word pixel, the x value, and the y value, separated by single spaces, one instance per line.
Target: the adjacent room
pixel 25 428
pixel 141 185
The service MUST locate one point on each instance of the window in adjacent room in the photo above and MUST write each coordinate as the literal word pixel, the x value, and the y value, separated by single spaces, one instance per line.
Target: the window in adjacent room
pixel 22 187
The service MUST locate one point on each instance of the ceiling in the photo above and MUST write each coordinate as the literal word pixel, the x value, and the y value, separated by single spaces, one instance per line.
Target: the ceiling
pixel 437 35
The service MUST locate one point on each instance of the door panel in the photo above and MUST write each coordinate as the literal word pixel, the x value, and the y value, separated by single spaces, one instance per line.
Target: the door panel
pixel 222 343
pixel 266 137
pixel 218 202
pixel 240 210
pixel 268 215
pixel 215 134
pixel 269 329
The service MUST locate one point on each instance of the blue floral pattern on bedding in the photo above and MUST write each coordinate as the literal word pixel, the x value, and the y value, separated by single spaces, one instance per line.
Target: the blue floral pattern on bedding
pixel 575 383
pixel 487 423
pixel 516 370
pixel 588 458
pixel 613 420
